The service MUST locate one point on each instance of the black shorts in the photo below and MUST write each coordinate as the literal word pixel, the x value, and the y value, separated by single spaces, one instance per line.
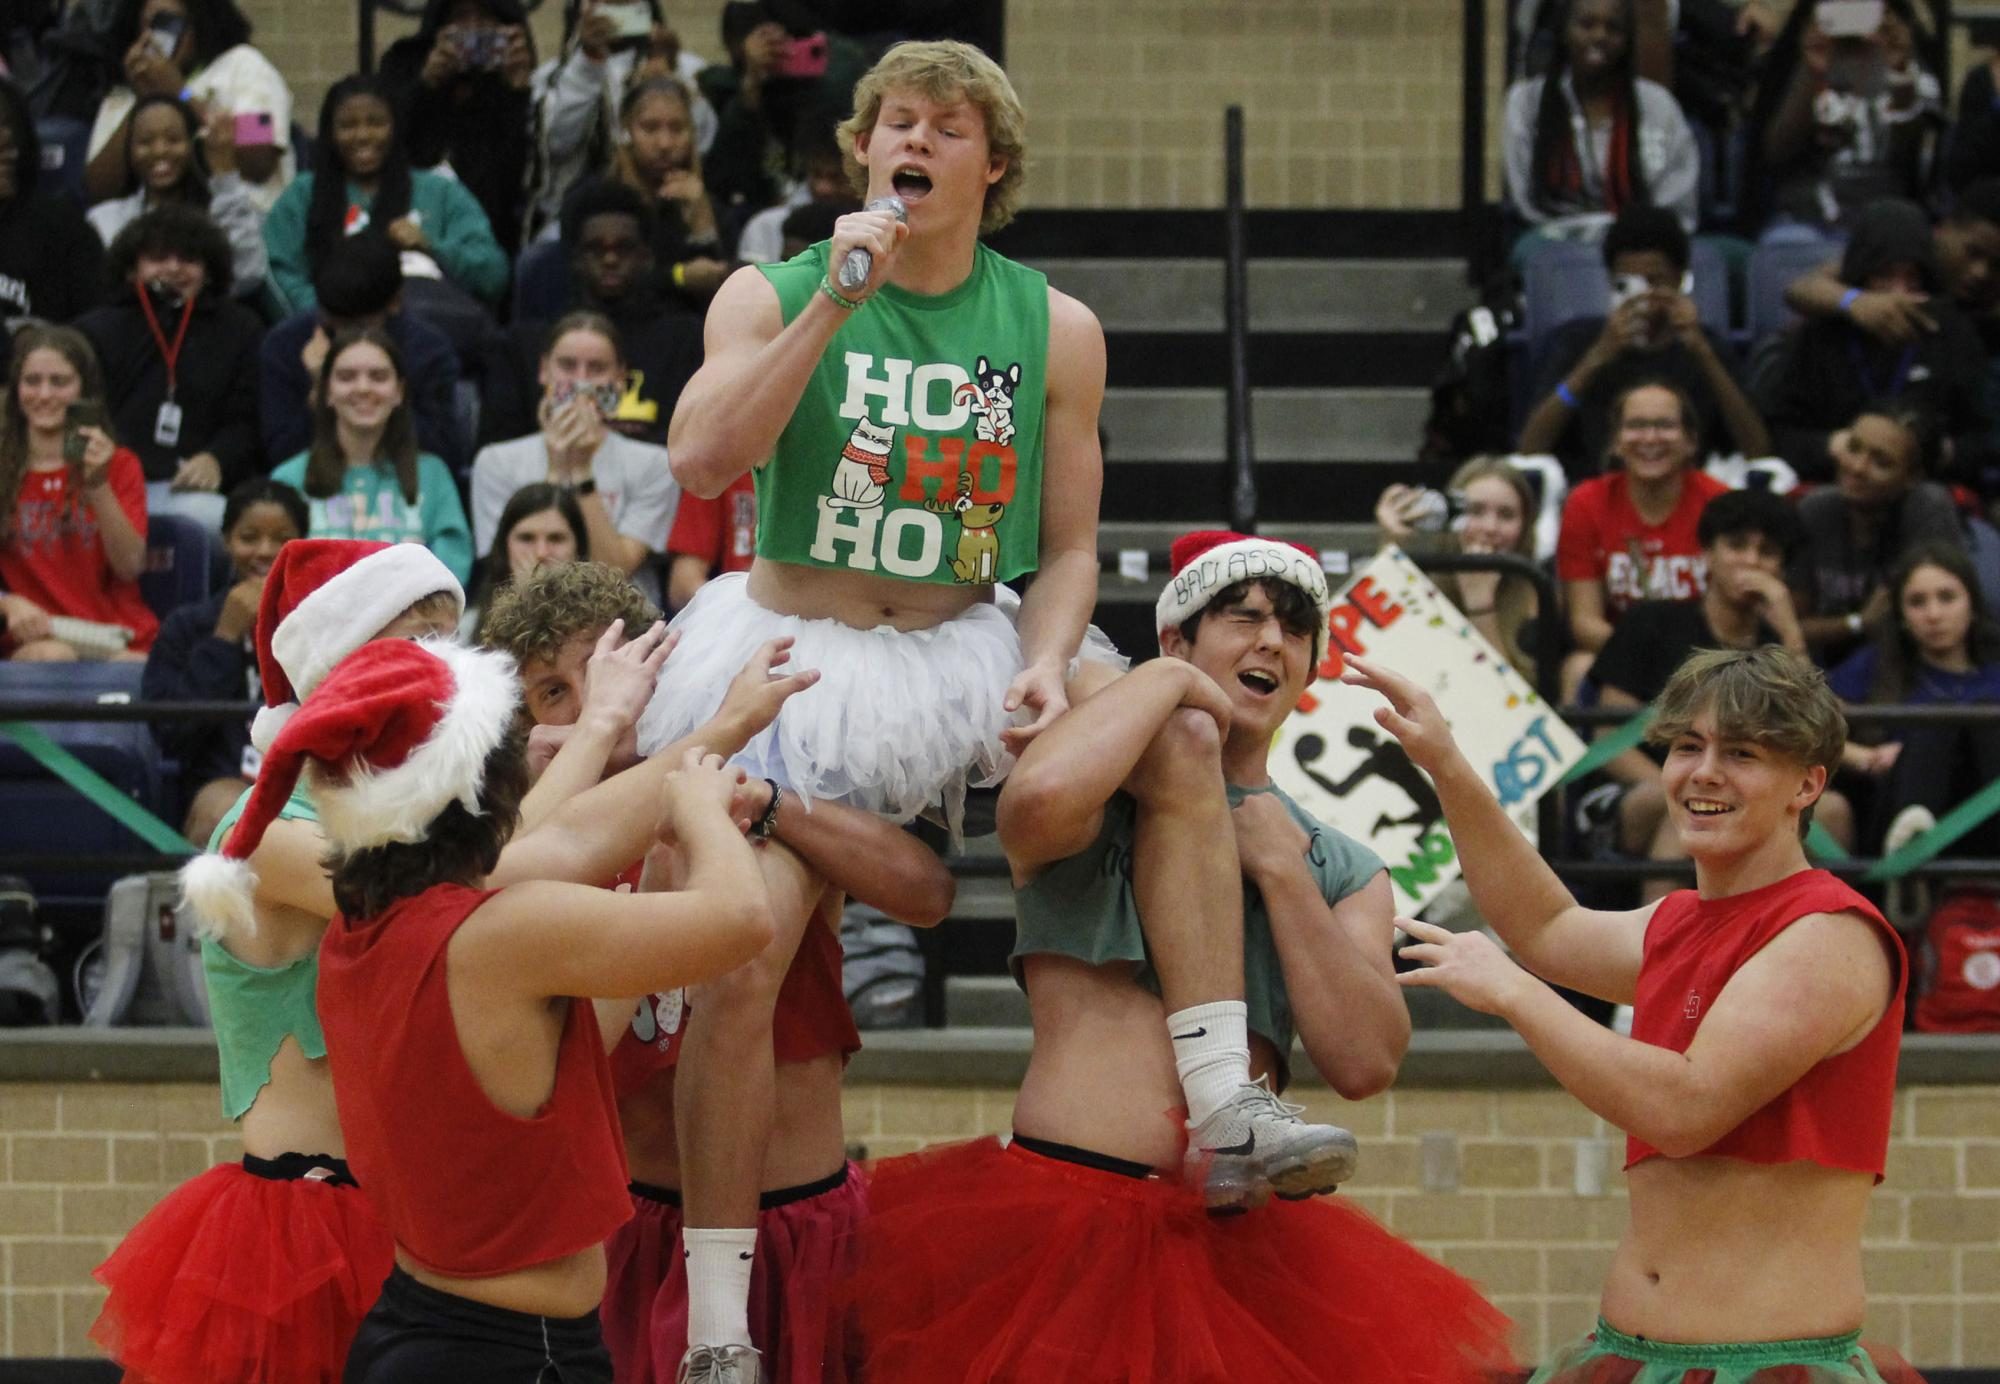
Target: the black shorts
pixel 417 1335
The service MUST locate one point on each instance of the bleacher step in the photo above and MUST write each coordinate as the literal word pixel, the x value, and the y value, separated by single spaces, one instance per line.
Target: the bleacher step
pixel 1327 295
pixel 1289 425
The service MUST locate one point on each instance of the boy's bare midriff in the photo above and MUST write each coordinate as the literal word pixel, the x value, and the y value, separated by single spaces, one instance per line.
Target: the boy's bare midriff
pixel 1101 1076
pixel 807 1142
pixel 1722 1250
pixel 860 599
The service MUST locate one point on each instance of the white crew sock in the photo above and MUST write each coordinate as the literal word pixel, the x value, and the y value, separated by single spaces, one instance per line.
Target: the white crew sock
pixel 718 1274
pixel 1211 1053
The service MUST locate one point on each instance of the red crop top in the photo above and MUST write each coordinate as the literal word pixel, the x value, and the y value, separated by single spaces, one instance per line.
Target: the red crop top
pixel 466 1188
pixel 1837 1114
pixel 812 1017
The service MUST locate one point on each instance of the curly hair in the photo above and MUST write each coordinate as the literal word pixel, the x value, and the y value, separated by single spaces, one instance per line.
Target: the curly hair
pixel 1769 696
pixel 458 847
pixel 176 228
pixel 947 71
pixel 537 618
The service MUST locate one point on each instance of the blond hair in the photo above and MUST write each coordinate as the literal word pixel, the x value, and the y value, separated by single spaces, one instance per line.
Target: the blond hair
pixel 1768 696
pixel 947 71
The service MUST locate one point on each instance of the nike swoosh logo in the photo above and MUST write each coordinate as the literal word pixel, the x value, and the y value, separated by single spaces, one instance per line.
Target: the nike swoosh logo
pixel 1198 1033
pixel 743 1254
pixel 1247 1147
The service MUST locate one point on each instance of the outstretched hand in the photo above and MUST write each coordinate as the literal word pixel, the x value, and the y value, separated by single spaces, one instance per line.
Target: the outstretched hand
pixel 618 680
pixel 760 690
pixel 1468 966
pixel 1411 716
pixel 1040 689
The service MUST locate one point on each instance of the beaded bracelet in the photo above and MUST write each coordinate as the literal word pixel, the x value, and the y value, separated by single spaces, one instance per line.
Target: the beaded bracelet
pixel 846 304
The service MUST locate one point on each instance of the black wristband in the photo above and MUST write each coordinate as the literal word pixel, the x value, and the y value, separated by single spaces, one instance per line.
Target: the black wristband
pixel 586 486
pixel 768 823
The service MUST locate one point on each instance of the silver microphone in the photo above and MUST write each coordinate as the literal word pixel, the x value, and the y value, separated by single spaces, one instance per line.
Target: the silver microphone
pixel 859 264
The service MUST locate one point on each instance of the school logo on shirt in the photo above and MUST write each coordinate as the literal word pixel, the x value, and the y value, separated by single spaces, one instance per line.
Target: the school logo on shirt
pixel 922 408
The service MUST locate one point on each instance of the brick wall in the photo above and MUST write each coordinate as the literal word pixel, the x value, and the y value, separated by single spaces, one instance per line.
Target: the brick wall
pixel 79 1163
pixel 1347 103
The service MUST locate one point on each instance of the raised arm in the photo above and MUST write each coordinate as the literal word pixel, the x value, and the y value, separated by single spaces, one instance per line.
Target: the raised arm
pixel 1816 990
pixel 1052 805
pixel 865 857
pixel 618 682
pixel 550 939
pixel 756 365
pixel 1516 891
pixel 600 831
pixel 1059 601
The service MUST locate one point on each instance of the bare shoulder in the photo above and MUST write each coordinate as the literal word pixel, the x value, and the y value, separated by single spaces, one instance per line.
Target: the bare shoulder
pixel 1844 947
pixel 1072 325
pixel 745 310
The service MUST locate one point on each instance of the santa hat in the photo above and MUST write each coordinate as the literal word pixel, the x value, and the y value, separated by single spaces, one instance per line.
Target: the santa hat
pixel 325 598
pixel 1209 560
pixel 394 735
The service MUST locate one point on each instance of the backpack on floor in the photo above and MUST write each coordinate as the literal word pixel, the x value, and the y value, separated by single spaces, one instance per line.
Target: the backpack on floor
pixel 144 971
pixel 1961 964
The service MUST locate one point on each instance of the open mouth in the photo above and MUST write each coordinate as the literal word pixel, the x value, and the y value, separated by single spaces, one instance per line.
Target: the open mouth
pixel 911 184
pixel 1258 682
pixel 1707 808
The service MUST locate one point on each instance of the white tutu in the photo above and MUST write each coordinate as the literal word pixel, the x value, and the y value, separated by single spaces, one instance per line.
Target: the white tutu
pixel 901 721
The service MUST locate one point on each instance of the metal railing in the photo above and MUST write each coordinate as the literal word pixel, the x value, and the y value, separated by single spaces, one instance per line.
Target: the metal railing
pixel 1236 316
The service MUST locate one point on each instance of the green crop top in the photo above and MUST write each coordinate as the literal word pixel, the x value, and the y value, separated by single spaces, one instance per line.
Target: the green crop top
pixel 255 1008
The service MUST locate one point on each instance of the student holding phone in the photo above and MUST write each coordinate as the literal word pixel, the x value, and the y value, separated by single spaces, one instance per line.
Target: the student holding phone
pixel 73 504
pixel 623 488
pixel 461 85
pixel 175 157
pixel 200 51
pixel 608 46
pixel 1652 332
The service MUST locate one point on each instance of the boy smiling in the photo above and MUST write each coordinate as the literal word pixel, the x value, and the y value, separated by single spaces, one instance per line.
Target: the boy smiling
pixel 1756 1087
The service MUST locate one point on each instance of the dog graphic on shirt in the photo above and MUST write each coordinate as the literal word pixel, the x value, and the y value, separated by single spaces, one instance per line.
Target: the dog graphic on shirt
pixel 863 469
pixel 990 394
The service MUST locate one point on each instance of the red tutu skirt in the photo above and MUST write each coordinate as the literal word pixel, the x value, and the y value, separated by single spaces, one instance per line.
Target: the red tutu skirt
pixel 805 1244
pixel 236 1278
pixel 989 1265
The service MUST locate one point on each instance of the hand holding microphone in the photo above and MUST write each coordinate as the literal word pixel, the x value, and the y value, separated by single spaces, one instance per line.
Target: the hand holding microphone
pixel 858 264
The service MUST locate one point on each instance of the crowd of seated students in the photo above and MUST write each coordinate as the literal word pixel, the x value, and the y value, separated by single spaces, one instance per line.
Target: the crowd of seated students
pixel 1825 474
pixel 212 317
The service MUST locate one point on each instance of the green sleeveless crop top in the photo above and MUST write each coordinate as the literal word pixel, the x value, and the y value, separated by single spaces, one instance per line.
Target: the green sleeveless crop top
pixel 916 449
pixel 255 1008
pixel 1084 907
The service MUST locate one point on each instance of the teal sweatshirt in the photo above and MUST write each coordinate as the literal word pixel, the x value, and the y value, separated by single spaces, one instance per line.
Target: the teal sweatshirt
pixel 369 504
pixel 461 239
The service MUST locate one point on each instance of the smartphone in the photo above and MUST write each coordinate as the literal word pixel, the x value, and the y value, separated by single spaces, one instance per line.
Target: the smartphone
pixel 1626 287
pixel 482 47
pixel 629 18
pixel 78 416
pixel 1848 18
pixel 255 130
pixel 164 33
pixel 803 57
